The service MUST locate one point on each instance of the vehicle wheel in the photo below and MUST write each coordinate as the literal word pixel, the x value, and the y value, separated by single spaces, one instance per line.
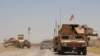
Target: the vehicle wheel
pixel 19 46
pixel 60 52
pixel 41 48
pixel 79 52
pixel 22 47
pixel 49 48
pixel 84 51
pixel 28 47
pixel 54 49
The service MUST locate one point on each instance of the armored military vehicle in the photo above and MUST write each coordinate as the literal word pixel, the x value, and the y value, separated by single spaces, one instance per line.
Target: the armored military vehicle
pixel 71 38
pixel 21 42
pixel 54 44
pixel 9 42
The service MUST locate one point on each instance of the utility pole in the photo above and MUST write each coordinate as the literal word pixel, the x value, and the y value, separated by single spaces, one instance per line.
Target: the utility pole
pixel 60 16
pixel 58 28
pixel 54 32
pixel 29 33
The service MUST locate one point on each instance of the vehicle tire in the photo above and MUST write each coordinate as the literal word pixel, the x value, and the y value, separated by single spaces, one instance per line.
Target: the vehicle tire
pixel 41 48
pixel 60 49
pixel 79 52
pixel 49 48
pixel 28 47
pixel 19 46
pixel 54 49
pixel 60 52
pixel 22 47
pixel 84 51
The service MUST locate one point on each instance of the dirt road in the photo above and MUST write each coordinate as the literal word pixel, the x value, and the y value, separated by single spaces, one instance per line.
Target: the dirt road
pixel 35 51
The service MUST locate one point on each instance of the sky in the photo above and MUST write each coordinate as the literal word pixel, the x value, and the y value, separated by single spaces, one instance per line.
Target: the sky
pixel 40 15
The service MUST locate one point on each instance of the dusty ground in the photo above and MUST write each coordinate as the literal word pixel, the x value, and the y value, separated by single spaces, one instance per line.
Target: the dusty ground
pixel 35 51
pixel 10 48
pixel 94 50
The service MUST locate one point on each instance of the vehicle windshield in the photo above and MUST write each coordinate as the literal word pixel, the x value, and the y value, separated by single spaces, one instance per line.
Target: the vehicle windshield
pixel 78 37
pixel 46 42
pixel 65 37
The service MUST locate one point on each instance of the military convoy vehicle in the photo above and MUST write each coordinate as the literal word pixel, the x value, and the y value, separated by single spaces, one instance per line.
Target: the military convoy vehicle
pixel 45 44
pixel 21 42
pixel 72 38
pixel 54 44
pixel 8 42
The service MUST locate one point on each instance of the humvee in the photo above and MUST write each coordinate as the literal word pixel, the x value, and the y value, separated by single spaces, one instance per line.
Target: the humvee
pixel 71 38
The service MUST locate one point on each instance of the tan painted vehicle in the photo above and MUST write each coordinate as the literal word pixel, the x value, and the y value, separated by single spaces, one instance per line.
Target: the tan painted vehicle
pixel 71 38
pixel 9 42
pixel 21 42
pixel 54 44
